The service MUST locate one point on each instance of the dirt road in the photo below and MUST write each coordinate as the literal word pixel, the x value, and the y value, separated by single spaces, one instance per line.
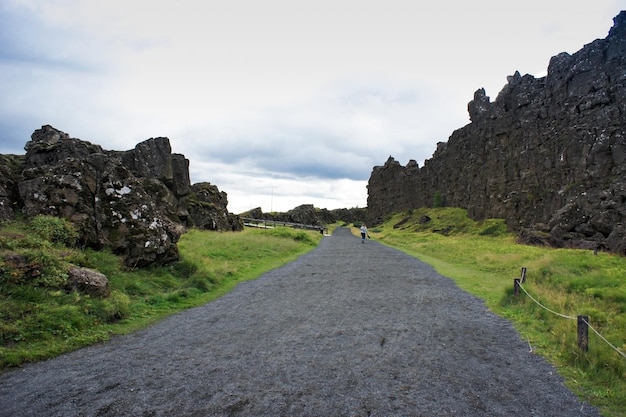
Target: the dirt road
pixel 349 329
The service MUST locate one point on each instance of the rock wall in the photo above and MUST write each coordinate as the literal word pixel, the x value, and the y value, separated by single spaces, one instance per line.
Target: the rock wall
pixel 136 202
pixel 548 155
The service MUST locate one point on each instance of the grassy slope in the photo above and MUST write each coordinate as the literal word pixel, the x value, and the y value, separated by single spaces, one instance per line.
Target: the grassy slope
pixel 40 318
pixel 483 259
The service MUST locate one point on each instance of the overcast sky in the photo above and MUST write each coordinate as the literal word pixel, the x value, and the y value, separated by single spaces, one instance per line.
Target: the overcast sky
pixel 277 102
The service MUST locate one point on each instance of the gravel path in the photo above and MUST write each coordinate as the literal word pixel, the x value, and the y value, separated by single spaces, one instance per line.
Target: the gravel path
pixel 349 329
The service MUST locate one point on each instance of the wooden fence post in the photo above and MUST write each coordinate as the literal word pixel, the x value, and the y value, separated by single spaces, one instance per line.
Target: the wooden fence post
pixel 516 286
pixel 523 274
pixel 583 333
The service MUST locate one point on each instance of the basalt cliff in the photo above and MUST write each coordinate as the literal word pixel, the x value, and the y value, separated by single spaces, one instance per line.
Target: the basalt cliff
pixel 548 155
pixel 136 202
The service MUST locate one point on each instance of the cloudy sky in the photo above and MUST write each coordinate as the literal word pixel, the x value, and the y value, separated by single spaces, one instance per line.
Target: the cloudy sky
pixel 277 102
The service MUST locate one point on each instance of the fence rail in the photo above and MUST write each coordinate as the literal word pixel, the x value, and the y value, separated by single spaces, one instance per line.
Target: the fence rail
pixel 264 223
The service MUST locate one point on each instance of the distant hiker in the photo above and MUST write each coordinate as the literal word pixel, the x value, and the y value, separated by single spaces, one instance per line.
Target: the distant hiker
pixel 363 232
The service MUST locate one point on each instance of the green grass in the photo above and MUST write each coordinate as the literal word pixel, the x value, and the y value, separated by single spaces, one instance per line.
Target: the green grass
pixel 40 318
pixel 483 259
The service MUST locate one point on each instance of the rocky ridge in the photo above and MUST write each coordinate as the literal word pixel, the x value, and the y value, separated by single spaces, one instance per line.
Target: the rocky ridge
pixel 548 155
pixel 136 202
pixel 309 215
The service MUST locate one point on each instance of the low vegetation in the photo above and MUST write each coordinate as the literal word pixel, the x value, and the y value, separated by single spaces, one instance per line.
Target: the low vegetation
pixel 41 317
pixel 483 259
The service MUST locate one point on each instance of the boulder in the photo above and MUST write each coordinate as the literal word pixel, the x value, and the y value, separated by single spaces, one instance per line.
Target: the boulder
pixel 88 281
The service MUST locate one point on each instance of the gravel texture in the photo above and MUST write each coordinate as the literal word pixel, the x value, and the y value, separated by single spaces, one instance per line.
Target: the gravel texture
pixel 349 329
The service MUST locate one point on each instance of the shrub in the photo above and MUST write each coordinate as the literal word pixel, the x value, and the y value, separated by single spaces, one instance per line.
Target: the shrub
pixel 113 308
pixel 493 227
pixel 54 229
pixel 183 269
pixel 36 267
pixel 438 200
pixel 303 237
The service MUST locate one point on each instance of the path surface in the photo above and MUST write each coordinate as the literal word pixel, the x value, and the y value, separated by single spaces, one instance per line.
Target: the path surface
pixel 349 329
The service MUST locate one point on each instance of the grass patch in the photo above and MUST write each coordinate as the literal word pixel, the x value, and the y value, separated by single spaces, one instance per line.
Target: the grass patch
pixel 41 318
pixel 483 259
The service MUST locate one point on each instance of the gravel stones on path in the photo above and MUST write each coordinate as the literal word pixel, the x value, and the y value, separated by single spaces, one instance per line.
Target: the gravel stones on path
pixel 349 329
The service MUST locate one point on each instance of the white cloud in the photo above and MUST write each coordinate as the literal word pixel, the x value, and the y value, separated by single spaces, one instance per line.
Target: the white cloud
pixel 278 103
pixel 251 188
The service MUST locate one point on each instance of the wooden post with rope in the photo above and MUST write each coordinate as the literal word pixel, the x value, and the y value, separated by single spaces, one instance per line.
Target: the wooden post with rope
pixel 583 332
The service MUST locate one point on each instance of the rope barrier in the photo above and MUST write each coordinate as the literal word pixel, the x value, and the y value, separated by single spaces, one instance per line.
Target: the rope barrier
pixel 622 354
pixel 546 308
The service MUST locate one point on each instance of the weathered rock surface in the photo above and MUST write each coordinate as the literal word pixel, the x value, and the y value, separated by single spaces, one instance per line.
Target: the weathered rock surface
pixel 10 168
pixel 136 202
pixel 548 155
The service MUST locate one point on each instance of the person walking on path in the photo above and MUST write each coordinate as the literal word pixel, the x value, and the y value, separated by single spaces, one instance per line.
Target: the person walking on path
pixel 363 232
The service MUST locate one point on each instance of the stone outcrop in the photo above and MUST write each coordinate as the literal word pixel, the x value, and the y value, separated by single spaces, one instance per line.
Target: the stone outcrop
pixel 136 202
pixel 548 155
pixel 206 208
pixel 308 214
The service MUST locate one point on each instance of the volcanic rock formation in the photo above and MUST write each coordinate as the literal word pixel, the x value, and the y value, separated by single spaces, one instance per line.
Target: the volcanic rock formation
pixel 136 202
pixel 548 155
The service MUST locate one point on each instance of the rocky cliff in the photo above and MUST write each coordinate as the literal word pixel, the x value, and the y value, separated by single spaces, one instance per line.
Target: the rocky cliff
pixel 136 202
pixel 548 155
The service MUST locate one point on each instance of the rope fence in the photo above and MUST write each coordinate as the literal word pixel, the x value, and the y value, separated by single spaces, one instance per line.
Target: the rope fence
pixel 583 321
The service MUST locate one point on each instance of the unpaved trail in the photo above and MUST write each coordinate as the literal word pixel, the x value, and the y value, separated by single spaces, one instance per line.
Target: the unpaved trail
pixel 349 329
